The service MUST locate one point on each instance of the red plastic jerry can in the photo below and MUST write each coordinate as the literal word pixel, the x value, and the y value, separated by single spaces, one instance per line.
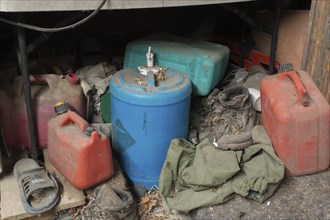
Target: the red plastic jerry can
pixel 296 116
pixel 46 90
pixel 82 155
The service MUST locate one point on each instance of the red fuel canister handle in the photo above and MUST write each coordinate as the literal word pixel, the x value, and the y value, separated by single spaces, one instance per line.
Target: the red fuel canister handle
pixel 301 91
pixel 73 117
pixel 50 79
pixel 95 136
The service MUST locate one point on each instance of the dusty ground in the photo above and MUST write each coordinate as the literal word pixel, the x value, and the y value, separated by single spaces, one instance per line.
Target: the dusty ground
pixel 305 197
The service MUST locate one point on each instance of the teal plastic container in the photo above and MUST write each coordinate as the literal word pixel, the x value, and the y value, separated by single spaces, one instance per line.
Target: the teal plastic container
pixel 145 118
pixel 203 62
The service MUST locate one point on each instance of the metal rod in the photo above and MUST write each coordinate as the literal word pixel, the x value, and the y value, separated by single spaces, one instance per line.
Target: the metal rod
pixel 242 44
pixel 27 91
pixel 276 25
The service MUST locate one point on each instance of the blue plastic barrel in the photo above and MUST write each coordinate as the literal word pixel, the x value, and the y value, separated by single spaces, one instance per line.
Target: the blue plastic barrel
pixel 146 116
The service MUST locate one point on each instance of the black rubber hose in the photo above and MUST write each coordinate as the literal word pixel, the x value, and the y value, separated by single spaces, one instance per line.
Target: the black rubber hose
pixel 56 29
pixel 27 91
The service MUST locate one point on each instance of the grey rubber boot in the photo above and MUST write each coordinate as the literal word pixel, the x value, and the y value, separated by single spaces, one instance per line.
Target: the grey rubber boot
pixel 111 203
pixel 230 118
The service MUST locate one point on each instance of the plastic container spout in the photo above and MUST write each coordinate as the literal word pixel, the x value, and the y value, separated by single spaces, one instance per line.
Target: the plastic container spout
pixel 150 58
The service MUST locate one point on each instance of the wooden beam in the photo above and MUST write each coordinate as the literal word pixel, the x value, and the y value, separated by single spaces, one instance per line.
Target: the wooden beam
pixel 316 56
pixel 74 5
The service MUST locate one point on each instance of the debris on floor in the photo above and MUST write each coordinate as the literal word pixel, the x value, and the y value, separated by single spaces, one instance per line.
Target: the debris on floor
pixel 216 145
pixel 154 206
pixel 303 197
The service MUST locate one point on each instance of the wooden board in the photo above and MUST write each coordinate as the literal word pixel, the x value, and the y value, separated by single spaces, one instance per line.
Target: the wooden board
pixel 70 5
pixel 291 35
pixel 11 205
pixel 71 197
pixel 316 57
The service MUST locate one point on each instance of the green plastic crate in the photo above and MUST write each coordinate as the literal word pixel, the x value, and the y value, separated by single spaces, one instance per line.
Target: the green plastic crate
pixel 105 107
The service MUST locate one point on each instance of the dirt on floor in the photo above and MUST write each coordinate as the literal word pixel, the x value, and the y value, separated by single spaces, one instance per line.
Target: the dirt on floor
pixel 303 197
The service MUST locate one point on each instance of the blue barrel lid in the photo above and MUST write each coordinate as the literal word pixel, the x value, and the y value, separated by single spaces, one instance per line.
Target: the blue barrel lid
pixel 129 86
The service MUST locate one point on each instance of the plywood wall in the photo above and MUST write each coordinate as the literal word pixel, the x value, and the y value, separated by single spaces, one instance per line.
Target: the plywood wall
pixel 316 58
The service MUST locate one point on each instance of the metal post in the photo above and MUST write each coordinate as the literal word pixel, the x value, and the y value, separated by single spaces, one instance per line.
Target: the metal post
pixel 242 45
pixel 276 24
pixel 27 91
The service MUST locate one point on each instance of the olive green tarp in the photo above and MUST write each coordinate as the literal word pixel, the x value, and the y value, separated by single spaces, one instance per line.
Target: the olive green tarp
pixel 199 176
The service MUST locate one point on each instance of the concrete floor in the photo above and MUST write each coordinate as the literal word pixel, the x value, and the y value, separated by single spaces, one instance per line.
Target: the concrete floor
pixel 304 197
